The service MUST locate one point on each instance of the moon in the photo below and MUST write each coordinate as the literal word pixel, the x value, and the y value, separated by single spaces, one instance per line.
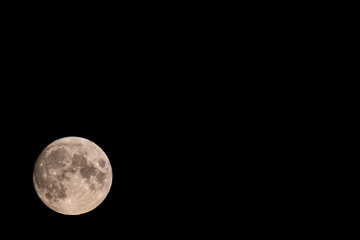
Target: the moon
pixel 72 176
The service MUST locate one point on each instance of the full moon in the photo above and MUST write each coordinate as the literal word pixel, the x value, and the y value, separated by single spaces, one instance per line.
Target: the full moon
pixel 72 176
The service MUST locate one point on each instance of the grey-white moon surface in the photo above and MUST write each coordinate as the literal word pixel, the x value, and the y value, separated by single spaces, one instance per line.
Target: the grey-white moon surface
pixel 72 175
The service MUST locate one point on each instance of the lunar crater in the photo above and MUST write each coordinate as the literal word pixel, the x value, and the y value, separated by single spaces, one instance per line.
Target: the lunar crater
pixel 88 171
pixel 102 163
pixel 78 160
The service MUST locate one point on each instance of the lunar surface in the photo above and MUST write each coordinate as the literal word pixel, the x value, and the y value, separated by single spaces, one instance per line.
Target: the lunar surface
pixel 72 175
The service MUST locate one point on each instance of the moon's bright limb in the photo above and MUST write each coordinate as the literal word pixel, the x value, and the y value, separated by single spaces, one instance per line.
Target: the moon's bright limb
pixel 72 175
